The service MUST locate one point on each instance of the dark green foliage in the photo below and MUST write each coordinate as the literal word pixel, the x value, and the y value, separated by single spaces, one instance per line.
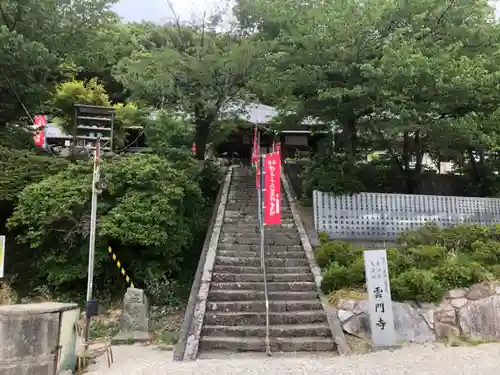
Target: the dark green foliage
pixel 335 276
pixel 417 285
pixel 455 273
pixel 153 214
pixel 336 251
pixel 427 261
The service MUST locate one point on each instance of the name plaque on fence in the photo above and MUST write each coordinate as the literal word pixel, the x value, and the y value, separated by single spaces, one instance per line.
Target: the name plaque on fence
pixel 379 299
pixel 380 216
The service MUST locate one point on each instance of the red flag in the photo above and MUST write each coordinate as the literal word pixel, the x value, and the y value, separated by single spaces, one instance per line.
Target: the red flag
pixel 40 125
pixel 255 153
pixel 272 189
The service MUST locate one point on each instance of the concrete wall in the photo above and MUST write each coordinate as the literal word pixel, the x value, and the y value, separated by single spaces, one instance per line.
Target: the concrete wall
pixel 381 217
pixel 29 337
pixel 67 340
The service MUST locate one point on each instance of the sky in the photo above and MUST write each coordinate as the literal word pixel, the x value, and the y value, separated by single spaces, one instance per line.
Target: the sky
pixel 186 10
pixel 159 10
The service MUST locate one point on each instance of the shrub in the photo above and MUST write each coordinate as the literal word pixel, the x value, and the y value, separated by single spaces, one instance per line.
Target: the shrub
pixel 487 253
pixel 426 256
pixel 454 273
pixel 461 237
pixel 426 261
pixel 417 285
pixel 398 261
pixel 357 272
pixel 425 235
pixel 323 238
pixel 335 276
pixel 337 251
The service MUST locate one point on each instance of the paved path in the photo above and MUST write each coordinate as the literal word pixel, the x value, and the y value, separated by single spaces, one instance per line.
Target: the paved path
pixel 421 360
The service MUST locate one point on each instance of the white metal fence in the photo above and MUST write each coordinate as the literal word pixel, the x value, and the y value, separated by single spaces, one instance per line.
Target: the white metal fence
pixel 377 216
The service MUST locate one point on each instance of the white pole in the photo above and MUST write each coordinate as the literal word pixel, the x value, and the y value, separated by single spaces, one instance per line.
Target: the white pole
pixel 93 224
pixel 258 168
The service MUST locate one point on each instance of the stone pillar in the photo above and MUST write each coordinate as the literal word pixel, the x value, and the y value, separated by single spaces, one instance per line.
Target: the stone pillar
pixel 134 322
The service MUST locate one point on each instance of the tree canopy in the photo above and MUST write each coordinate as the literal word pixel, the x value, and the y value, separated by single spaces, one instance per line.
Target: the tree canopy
pixel 417 81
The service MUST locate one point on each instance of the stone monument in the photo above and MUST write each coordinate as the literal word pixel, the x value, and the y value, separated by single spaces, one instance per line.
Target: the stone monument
pixel 134 322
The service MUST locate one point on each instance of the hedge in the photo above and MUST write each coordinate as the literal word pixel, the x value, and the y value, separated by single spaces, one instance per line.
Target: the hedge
pixel 424 264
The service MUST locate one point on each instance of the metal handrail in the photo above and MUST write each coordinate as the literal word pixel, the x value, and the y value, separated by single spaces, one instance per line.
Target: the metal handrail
pixel 260 193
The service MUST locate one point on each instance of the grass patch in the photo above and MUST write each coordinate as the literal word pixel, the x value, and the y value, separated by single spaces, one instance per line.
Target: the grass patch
pixel 353 294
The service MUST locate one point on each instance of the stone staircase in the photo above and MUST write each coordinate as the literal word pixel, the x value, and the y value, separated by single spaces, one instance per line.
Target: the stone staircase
pixel 235 318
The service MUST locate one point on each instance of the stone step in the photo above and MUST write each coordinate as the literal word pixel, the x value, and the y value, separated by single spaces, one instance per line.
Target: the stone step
pixel 267 248
pixel 285 330
pixel 221 268
pixel 275 239
pixel 258 318
pixel 257 344
pixel 260 306
pixel 267 254
pixel 295 286
pixel 255 262
pixel 249 277
pixel 253 220
pixel 248 230
pixel 258 295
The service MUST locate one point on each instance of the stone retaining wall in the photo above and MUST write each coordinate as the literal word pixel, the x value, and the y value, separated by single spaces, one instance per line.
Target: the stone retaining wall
pixel 469 312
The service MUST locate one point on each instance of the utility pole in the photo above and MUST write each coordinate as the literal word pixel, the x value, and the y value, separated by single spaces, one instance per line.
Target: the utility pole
pixel 93 224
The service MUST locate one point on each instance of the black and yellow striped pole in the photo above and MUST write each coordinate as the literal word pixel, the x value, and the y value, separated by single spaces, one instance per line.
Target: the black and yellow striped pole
pixel 119 265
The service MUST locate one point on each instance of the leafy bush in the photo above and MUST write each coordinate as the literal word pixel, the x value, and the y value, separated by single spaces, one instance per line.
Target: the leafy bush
pixel 335 277
pixel 336 251
pixel 330 172
pixel 323 238
pixel 456 274
pixel 153 214
pixel 418 285
pixel 425 263
pixel 426 256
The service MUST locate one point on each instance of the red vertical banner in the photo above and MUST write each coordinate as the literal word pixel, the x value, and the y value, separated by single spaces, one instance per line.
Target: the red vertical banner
pixel 272 189
pixel 40 126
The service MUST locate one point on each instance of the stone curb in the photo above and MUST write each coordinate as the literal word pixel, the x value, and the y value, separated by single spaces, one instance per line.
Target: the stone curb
pixel 331 313
pixel 187 347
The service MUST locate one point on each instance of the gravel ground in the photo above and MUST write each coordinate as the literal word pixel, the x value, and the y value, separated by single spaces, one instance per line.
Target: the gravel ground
pixel 422 360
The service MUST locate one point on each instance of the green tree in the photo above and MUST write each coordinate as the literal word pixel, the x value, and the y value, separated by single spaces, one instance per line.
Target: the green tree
pixel 68 94
pixel 45 41
pixel 193 70
pixel 402 77
pixel 150 214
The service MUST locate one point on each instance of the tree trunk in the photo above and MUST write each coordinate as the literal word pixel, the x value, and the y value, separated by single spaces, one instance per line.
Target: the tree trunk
pixel 472 160
pixel 419 155
pixel 351 138
pixel 201 138
pixel 407 173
